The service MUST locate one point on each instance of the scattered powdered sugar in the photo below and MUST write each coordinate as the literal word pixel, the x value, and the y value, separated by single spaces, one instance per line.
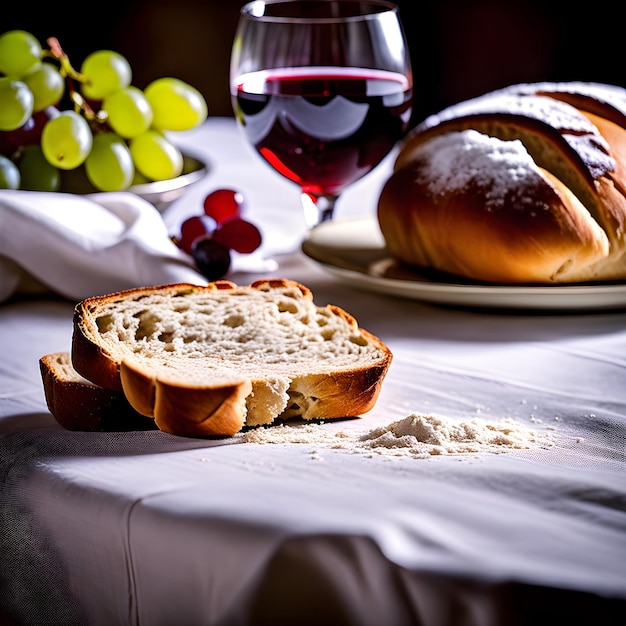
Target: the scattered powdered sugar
pixel 307 433
pixel 433 434
pixel 417 436
pixel 517 101
pixel 533 101
pixel 452 161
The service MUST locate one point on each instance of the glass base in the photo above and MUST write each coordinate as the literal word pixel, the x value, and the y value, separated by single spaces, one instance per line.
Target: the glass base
pixel 317 209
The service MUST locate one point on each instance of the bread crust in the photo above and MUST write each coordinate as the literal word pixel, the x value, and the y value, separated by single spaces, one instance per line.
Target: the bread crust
pixel 77 404
pixel 552 240
pixel 223 404
pixel 577 228
pixel 183 409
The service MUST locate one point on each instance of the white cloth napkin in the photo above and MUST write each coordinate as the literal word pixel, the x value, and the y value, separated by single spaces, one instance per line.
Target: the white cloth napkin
pixel 80 246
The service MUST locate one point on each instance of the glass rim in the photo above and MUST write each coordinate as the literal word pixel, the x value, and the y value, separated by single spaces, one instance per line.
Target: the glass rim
pixel 383 6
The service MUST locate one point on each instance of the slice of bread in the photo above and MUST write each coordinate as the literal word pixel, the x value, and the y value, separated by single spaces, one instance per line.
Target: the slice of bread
pixel 78 404
pixel 210 360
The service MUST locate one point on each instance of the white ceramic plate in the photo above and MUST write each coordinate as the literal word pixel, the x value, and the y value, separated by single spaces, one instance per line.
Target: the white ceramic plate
pixel 353 250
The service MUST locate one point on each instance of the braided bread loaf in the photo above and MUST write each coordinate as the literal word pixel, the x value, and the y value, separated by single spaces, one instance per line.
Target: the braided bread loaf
pixel 526 184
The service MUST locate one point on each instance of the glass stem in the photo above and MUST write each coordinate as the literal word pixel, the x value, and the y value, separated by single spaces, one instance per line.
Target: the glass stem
pixel 317 209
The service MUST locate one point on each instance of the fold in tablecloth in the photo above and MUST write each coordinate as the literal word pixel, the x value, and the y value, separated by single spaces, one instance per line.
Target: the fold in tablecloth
pixel 80 246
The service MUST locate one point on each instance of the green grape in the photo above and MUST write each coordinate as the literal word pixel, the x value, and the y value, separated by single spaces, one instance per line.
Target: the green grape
pixel 104 71
pixel 47 86
pixel 155 156
pixel 37 174
pixel 20 53
pixel 66 140
pixel 109 166
pixel 176 105
pixel 128 112
pixel 16 103
pixel 9 174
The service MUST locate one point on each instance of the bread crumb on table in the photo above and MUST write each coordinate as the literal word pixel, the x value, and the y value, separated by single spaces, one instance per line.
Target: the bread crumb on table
pixel 416 435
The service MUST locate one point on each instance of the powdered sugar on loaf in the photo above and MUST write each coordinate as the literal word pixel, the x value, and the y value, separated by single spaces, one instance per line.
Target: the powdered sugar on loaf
pixel 417 435
pixel 454 160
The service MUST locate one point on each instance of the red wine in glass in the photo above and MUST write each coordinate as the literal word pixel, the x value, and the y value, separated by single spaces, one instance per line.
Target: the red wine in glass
pixel 322 90
pixel 323 127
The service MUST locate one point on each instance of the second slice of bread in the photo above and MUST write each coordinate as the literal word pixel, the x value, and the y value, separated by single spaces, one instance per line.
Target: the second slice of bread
pixel 210 360
pixel 78 404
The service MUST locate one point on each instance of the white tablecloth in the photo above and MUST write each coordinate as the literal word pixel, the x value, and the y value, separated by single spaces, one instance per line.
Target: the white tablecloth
pixel 150 529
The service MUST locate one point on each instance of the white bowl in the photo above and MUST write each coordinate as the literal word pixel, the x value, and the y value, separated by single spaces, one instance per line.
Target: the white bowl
pixel 159 193
pixel 163 192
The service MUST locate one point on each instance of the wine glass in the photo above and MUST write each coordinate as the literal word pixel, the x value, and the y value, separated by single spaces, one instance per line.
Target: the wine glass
pixel 322 89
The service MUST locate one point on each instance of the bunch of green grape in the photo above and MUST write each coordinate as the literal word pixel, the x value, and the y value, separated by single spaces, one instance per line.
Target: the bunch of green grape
pixel 110 132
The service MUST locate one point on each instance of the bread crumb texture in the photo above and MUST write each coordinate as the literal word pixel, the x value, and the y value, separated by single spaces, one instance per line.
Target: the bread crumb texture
pixel 418 436
pixel 259 331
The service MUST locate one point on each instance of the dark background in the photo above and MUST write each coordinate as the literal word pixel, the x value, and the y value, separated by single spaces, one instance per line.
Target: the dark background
pixel 459 48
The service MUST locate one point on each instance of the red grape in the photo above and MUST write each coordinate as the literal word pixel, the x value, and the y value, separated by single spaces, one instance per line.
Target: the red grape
pixel 28 134
pixel 6 145
pixel 192 228
pixel 210 236
pixel 223 205
pixel 239 235
pixel 211 258
pixel 12 140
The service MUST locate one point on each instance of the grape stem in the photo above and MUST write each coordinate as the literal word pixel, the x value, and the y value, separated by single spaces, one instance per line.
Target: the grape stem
pixel 70 74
